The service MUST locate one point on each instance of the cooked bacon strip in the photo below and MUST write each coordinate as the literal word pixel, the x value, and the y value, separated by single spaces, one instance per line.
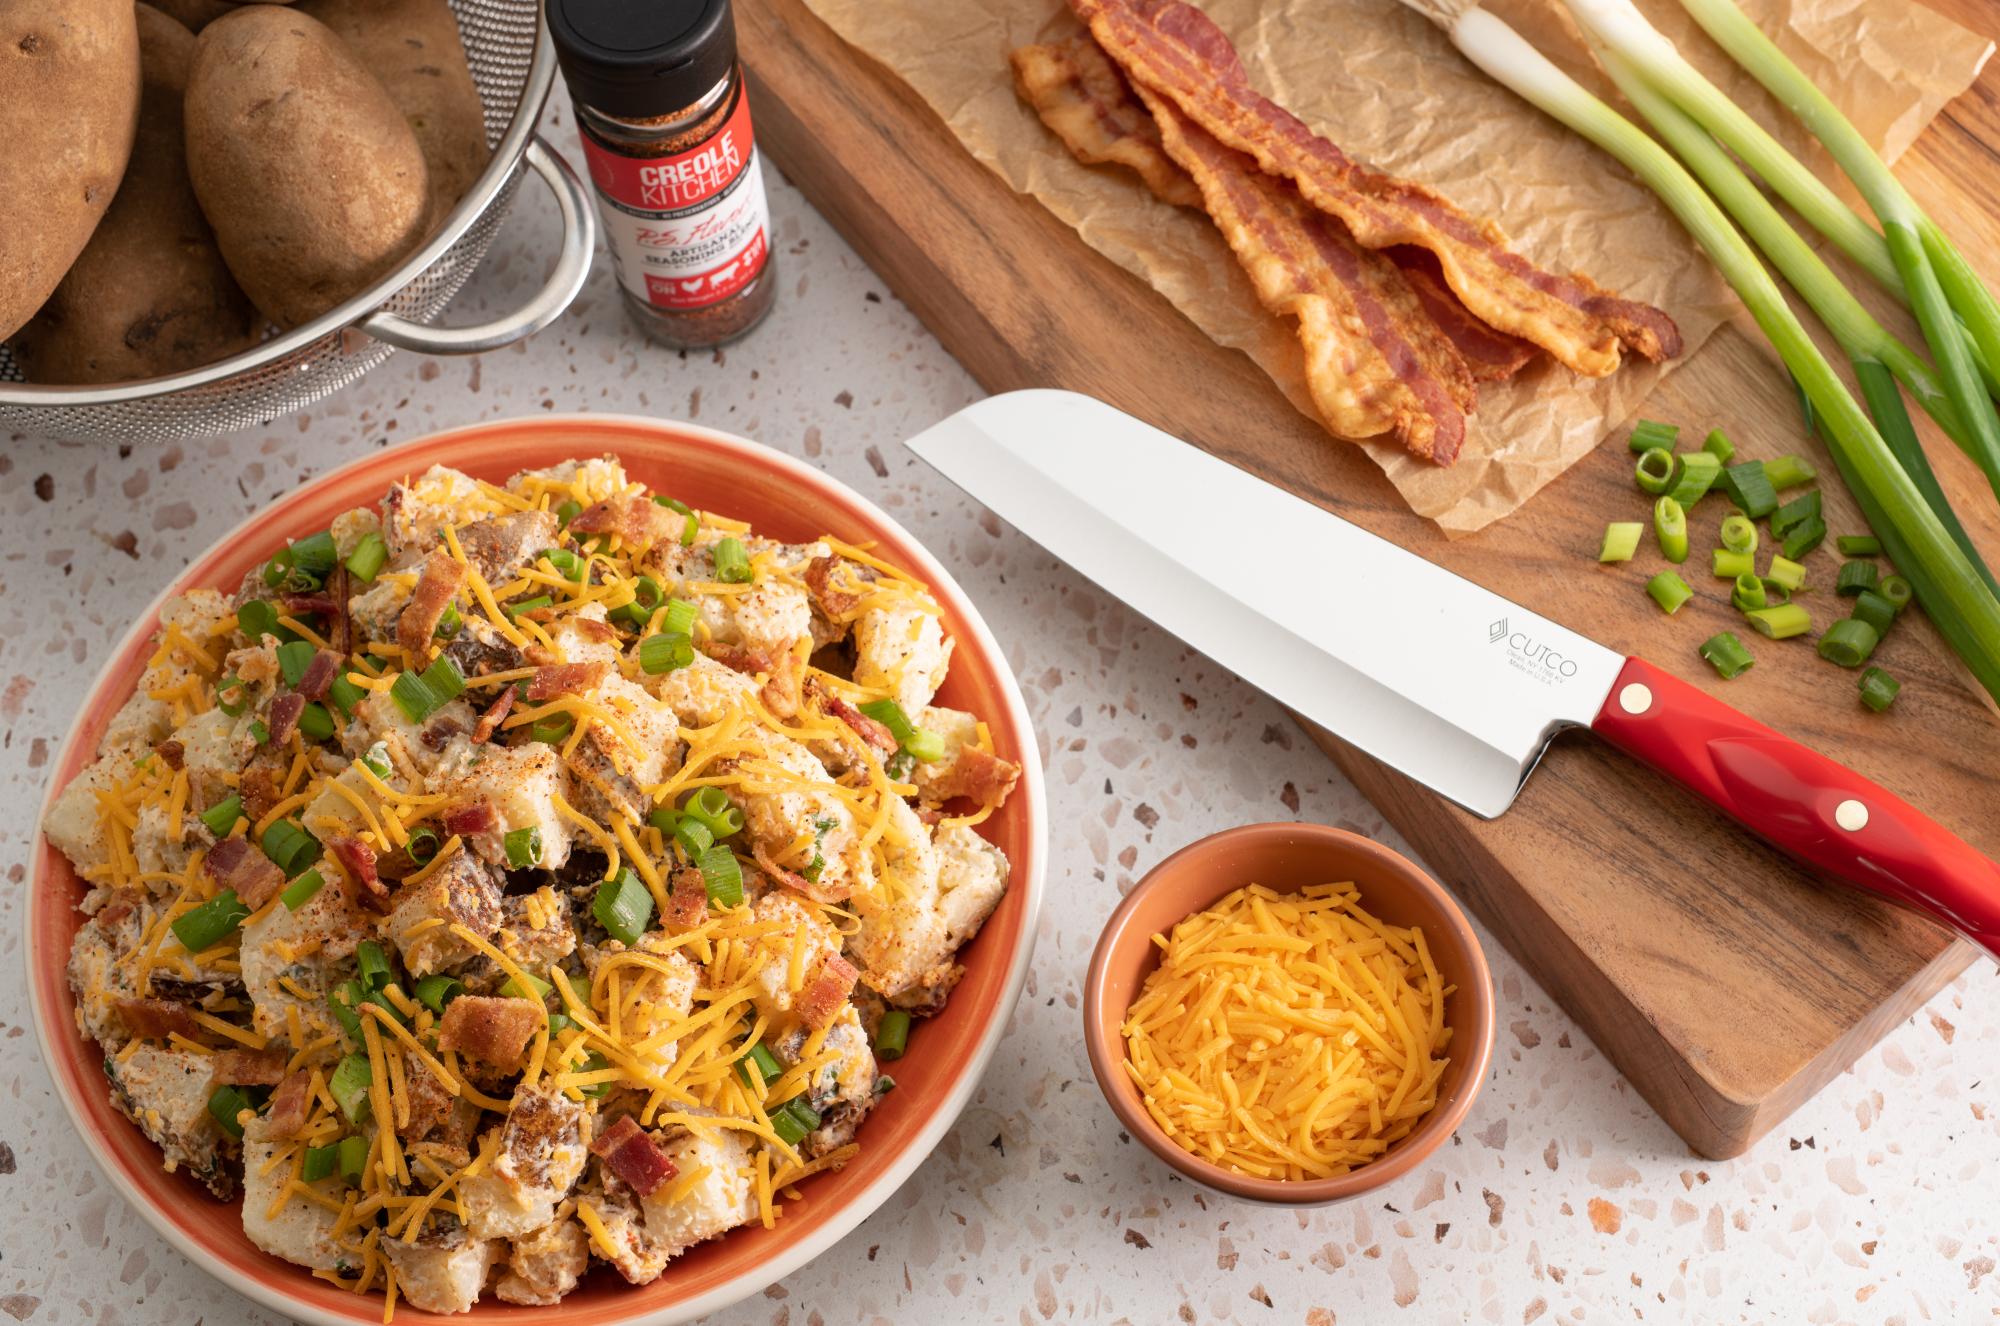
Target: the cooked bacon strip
pixel 630 1152
pixel 836 604
pixel 364 884
pixel 340 626
pixel 874 733
pixel 639 521
pixel 493 1030
pixel 440 582
pixel 319 675
pixel 826 992
pixel 687 904
pixel 496 714
pixel 1493 356
pixel 749 662
pixel 156 1019
pixel 249 1068
pixel 794 881
pixel 1080 95
pixel 290 1106
pixel 285 711
pixel 566 679
pixel 466 821
pixel 984 778
pixel 1374 362
pixel 173 753
pixel 308 605
pixel 1175 50
pixel 236 863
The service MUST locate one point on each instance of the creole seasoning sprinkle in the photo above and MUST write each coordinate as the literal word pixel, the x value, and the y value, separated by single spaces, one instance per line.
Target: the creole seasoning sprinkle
pixel 666 131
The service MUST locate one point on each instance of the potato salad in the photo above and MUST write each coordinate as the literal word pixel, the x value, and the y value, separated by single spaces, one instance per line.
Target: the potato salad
pixel 511 877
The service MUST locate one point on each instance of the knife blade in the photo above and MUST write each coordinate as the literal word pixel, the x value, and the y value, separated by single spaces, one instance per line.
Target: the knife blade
pixel 1447 682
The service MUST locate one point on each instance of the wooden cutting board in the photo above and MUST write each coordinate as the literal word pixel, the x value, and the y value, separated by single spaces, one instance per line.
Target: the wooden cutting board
pixel 1724 981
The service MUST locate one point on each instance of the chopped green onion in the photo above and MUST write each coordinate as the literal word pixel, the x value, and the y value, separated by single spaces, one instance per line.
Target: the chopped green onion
pixel 419 695
pixel 1697 473
pixel 1670 526
pixel 1877 611
pixel 890 715
pixel 373 964
pixel 568 564
pixel 1854 577
pixel 221 817
pixel 623 907
pixel 349 1088
pixel 1789 472
pixel 1750 489
pixel 538 989
pixel 646 596
pixel 353 1159
pixel 1621 541
pixel 884 1085
pixel 1782 622
pixel 722 876
pixel 1729 565
pixel 1848 642
pixel 1786 572
pixel 1726 654
pixel 344 1002
pixel 315 723
pixel 278 570
pixel 294 657
pixel 661 652
pixel 315 553
pixel 421 845
pixel 1739 533
pixel 320 1162
pixel 732 562
pixel 1718 445
pixel 206 926
pixel 680 618
pixel 523 847
pixel 1669 591
pixel 1649 433
pixel 522 607
pixel 225 1106
pixel 924 746
pixel 1804 507
pixel 236 687
pixel 893 1035
pixel 693 525
pixel 377 760
pixel 289 846
pixel 712 806
pixel 1896 590
pixel 1858 545
pixel 1775 593
pixel 259 733
pixel 437 990
pixel 1804 537
pixel 344 694
pixel 1879 689
pixel 567 512
pixel 1656 470
pixel 693 836
pixel 368 558
pixel 794 1120
pixel 449 624
pixel 553 729
pixel 1748 593
pixel 257 619
pixel 301 890
pixel 760 1061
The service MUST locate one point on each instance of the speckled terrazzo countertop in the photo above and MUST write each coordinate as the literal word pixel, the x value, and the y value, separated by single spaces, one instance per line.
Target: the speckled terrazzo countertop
pixel 1564 1199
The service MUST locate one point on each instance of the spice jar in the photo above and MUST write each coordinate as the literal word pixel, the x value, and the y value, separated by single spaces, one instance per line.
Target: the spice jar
pixel 665 125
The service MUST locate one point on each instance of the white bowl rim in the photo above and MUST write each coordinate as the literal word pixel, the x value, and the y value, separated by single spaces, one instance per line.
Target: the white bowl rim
pixel 869 1199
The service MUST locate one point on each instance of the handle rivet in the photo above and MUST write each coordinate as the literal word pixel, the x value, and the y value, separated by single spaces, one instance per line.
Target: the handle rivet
pixel 1851 815
pixel 1636 698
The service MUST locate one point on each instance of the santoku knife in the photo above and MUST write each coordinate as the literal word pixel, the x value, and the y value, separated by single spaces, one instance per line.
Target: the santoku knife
pixel 1455 686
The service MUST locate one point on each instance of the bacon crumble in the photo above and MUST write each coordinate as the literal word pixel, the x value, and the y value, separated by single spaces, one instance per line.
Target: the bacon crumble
pixel 566 679
pixel 630 1152
pixel 492 1029
pixel 236 863
pixel 442 577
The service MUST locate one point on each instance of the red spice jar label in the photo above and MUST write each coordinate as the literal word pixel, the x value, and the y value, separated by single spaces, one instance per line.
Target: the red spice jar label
pixel 689 229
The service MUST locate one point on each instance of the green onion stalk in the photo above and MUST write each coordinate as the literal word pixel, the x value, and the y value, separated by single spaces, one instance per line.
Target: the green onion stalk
pixel 1958 600
pixel 1617 25
pixel 1879 360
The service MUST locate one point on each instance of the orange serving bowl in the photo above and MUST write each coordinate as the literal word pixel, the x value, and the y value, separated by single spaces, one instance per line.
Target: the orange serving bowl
pixel 782 498
pixel 1287 857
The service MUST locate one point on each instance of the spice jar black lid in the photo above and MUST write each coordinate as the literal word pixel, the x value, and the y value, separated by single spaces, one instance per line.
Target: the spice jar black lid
pixel 637 59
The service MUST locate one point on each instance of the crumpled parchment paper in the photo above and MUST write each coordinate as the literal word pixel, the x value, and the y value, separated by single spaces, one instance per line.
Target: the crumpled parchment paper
pixel 1381 81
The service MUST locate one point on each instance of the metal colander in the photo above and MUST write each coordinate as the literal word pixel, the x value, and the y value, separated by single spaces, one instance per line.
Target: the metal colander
pixel 513 65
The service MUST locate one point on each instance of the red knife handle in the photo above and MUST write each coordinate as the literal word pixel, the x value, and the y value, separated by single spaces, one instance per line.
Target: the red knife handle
pixel 1819 811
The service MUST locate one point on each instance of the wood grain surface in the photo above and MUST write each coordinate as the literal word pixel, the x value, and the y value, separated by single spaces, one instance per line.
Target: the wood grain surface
pixel 1726 983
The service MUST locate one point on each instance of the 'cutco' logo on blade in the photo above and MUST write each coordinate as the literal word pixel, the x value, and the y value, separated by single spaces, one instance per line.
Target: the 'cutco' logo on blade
pixel 1528 655
pixel 1497 631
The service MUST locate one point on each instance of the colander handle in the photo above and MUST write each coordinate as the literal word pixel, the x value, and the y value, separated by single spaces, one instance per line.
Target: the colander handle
pixel 566 278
